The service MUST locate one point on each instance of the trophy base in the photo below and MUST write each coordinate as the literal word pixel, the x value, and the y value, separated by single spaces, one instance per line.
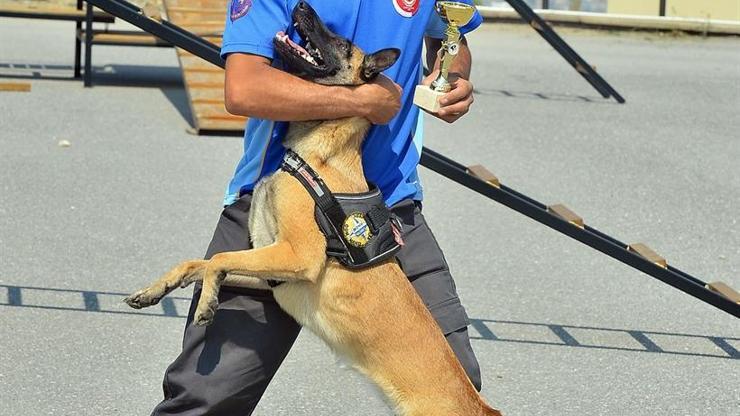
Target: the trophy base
pixel 427 98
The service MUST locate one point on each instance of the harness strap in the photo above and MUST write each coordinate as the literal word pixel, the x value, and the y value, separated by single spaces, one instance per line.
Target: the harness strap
pixel 359 229
pixel 376 217
pixel 325 200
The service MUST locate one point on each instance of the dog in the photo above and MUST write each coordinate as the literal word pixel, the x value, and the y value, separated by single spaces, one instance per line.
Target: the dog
pixel 354 311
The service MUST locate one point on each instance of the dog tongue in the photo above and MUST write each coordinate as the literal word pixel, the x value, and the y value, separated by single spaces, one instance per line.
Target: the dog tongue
pixel 294 45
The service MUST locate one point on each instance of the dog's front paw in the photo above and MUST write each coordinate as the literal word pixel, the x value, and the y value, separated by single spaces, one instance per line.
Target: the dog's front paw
pixel 204 315
pixel 143 298
pixel 203 318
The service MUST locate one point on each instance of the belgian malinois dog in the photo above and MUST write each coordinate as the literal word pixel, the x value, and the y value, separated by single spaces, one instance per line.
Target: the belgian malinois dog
pixel 354 311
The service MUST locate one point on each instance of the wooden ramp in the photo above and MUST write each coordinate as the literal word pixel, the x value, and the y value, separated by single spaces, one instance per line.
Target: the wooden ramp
pixel 204 82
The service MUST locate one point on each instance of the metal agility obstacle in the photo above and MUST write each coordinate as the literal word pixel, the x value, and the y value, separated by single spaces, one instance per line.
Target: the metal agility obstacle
pixel 479 179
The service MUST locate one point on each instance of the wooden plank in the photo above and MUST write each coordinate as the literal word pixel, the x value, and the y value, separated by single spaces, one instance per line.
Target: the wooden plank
pixel 197 101
pixel 200 85
pixel 484 174
pixel 724 290
pixel 15 86
pixel 221 125
pixel 206 70
pixel 563 212
pixel 648 253
pixel 196 10
pixel 204 82
pixel 126 38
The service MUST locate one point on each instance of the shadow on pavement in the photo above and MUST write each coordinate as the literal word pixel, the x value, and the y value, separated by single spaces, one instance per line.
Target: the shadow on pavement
pixel 106 75
pixel 532 333
pixel 166 78
pixel 530 95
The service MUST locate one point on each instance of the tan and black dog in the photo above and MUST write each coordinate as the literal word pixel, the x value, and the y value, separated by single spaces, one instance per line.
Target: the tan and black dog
pixel 356 312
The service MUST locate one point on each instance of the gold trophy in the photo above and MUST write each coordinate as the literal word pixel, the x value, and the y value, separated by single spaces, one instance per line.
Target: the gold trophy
pixel 455 14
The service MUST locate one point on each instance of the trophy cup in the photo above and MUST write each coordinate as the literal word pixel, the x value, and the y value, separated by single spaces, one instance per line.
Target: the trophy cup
pixel 455 14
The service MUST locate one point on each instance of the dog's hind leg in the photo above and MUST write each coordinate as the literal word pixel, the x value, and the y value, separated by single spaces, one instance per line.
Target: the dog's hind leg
pixel 276 261
pixel 181 276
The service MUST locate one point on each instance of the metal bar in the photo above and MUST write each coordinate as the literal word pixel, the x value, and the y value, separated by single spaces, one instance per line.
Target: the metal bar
pixel 78 43
pixel 570 55
pixel 587 235
pixel 545 4
pixel 661 11
pixel 78 49
pixel 458 173
pixel 88 45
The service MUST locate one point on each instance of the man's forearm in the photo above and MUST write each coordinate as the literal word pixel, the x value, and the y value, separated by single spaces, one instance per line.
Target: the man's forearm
pixel 256 89
pixel 460 66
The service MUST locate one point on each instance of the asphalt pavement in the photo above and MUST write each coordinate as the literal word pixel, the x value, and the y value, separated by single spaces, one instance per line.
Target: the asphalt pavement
pixel 102 190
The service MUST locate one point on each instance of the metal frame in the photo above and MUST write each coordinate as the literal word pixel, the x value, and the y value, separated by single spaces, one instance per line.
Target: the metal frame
pixel 590 236
pixel 459 173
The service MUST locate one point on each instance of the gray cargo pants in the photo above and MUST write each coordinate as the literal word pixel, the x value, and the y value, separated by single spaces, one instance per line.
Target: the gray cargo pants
pixel 224 368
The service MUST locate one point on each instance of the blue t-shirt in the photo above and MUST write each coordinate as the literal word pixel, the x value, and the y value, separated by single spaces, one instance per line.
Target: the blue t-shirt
pixel 391 152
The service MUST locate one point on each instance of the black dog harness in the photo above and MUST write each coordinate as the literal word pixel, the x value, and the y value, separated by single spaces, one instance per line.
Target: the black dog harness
pixel 360 230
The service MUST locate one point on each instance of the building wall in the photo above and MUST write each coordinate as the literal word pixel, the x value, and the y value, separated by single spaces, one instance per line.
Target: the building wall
pixel 713 9
pixel 641 7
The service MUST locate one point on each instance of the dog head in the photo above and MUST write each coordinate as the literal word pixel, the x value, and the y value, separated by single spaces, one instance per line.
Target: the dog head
pixel 328 58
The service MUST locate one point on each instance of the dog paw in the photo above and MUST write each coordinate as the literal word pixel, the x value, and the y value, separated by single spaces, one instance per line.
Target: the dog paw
pixel 203 318
pixel 142 299
pixel 204 315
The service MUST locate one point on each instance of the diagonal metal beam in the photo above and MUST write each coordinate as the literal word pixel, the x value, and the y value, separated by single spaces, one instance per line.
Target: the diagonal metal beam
pixel 587 235
pixel 574 59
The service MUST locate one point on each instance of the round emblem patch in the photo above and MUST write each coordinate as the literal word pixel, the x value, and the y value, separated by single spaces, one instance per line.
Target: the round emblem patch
pixel 406 8
pixel 239 8
pixel 355 230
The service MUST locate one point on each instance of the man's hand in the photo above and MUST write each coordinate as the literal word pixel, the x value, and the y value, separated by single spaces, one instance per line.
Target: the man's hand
pixel 379 100
pixel 455 103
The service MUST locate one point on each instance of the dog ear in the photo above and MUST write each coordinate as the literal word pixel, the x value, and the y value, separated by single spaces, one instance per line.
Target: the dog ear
pixel 377 62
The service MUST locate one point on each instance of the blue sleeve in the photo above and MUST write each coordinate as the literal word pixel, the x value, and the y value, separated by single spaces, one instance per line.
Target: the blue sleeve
pixel 436 26
pixel 252 24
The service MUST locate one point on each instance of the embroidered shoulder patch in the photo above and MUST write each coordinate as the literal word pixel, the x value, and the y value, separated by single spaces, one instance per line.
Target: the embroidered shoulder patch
pixel 406 8
pixel 239 8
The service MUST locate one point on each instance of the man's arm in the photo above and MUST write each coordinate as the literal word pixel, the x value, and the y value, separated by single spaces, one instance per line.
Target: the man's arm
pixel 457 102
pixel 253 88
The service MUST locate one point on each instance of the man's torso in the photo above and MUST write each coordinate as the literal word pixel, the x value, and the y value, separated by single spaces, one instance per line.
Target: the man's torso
pixel 391 152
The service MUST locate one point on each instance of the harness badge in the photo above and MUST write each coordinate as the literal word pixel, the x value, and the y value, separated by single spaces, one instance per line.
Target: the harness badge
pixel 355 230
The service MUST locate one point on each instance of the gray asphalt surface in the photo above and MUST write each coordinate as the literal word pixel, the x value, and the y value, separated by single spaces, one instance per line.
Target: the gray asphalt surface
pixel 134 194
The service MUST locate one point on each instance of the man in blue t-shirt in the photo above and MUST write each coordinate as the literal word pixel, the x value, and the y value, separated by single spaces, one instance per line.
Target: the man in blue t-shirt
pixel 225 368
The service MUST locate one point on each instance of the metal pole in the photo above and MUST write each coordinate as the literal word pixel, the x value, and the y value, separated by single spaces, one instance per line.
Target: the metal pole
pixel 88 44
pixel 78 41
pixel 661 11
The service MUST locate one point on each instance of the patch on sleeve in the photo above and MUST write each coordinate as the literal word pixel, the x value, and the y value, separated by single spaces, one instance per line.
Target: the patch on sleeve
pixel 239 8
pixel 406 8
